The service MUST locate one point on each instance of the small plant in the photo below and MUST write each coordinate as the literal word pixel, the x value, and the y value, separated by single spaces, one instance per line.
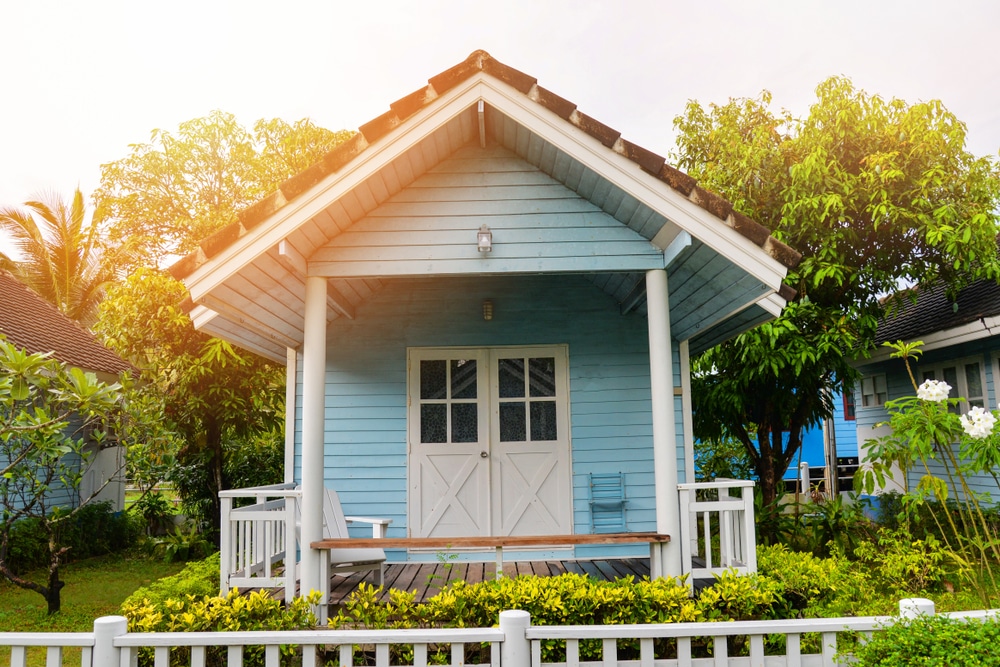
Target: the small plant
pixel 184 543
pixel 157 512
pixel 903 564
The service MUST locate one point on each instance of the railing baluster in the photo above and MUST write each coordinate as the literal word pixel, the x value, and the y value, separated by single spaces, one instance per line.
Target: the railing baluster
pixel 457 654
pixel 756 650
pixel 793 650
pixel 234 656
pixel 86 657
pixel 646 655
pixel 346 655
pixel 720 650
pixel 683 652
pixel 829 649
pixel 272 655
pixel 572 653
pixel 609 652
pixel 381 655
pixel 198 656
pixel 53 656
pixel 308 655
pixel 420 655
pixel 161 656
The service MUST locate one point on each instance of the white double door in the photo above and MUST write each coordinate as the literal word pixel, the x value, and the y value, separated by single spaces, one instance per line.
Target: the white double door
pixel 489 447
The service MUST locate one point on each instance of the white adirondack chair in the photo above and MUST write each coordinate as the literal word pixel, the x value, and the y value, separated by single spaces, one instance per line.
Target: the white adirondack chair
pixel 352 560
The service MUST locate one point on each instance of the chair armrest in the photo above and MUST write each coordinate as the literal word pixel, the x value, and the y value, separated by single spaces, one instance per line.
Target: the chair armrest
pixel 378 525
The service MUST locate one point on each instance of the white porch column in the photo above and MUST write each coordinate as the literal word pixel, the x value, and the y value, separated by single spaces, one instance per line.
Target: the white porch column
pixel 668 519
pixel 290 366
pixel 313 407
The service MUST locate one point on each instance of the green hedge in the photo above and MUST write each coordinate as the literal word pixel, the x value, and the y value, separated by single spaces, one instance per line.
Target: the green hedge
pixel 935 641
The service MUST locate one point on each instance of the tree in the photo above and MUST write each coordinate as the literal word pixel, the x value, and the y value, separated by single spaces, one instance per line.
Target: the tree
pixel 48 415
pixel 874 193
pixel 164 198
pixel 209 393
pixel 168 195
pixel 63 260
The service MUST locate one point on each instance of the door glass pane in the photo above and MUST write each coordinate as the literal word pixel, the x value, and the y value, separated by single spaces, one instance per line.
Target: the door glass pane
pixel 434 423
pixel 463 378
pixel 512 422
pixel 542 376
pixel 433 379
pixel 951 377
pixel 543 420
pixel 974 382
pixel 511 378
pixel 464 422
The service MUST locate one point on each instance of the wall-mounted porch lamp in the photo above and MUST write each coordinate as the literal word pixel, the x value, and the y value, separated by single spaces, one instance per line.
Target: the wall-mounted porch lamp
pixel 484 239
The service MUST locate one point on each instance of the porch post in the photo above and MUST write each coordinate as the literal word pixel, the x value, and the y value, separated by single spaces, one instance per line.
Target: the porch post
pixel 290 376
pixel 668 518
pixel 313 407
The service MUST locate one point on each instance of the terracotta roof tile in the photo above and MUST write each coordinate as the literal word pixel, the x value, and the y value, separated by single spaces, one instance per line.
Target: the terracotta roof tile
pixel 646 159
pixel 595 128
pixel 560 106
pixel 405 107
pixel 478 61
pixel 32 323
pixel 222 239
pixel 187 264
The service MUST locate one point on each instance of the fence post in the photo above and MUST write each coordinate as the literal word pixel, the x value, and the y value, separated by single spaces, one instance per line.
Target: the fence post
pixel 515 651
pixel 804 483
pixel 225 543
pixel 106 629
pixel 915 607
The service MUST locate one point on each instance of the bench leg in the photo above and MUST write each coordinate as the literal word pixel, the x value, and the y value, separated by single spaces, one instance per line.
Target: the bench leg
pixel 499 572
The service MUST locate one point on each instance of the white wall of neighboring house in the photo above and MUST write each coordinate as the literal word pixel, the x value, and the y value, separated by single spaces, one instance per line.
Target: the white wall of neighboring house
pixel 106 464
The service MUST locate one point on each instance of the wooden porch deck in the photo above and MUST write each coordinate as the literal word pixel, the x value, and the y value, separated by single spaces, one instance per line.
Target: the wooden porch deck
pixel 427 579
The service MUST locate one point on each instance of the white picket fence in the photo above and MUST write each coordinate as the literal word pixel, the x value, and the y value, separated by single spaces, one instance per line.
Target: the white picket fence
pixel 515 643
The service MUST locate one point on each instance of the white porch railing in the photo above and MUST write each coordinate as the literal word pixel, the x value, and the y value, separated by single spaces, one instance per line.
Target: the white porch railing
pixel 515 643
pixel 255 538
pixel 719 527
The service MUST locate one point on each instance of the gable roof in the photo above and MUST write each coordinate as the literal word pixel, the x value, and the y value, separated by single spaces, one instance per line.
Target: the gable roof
pixel 32 323
pixel 239 277
pixel 941 321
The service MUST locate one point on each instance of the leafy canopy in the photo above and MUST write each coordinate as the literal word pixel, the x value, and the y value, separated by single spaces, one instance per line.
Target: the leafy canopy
pixel 874 193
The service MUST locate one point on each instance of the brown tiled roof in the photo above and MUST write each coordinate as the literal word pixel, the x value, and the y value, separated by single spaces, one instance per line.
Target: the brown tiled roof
pixel 32 323
pixel 400 110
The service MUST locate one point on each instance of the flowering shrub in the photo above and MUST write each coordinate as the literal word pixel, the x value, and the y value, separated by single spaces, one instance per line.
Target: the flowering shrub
pixel 925 429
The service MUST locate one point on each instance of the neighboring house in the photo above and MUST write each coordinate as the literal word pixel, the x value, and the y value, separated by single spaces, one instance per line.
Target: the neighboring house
pixel 961 346
pixel 483 298
pixel 837 438
pixel 33 324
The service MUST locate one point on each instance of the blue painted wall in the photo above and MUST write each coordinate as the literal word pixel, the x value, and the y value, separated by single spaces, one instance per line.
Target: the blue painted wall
pixel 611 418
pixel 812 452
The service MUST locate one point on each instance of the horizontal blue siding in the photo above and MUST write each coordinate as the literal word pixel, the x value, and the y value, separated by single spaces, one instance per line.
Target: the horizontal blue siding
pixel 610 409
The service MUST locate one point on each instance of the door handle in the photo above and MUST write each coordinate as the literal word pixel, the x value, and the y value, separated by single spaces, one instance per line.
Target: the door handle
pixel 484 455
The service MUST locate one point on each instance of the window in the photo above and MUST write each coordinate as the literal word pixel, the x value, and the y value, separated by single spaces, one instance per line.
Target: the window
pixel 849 407
pixel 965 378
pixel 873 392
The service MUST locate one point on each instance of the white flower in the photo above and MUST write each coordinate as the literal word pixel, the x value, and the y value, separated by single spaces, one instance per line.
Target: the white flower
pixel 978 423
pixel 933 390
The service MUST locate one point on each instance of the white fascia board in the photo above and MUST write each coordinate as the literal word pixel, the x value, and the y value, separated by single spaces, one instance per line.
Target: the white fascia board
pixel 982 328
pixel 269 233
pixel 203 319
pixel 773 304
pixel 630 177
pixel 201 315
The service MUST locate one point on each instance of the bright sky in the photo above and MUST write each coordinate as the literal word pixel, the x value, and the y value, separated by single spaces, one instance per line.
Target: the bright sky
pixel 83 80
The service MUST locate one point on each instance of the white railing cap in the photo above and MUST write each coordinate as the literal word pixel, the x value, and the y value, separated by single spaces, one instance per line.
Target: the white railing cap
pixel 293 637
pixel 287 489
pixel 718 484
pixel 707 629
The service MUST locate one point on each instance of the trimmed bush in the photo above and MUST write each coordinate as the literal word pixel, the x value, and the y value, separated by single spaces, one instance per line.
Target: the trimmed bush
pixel 934 641
pixel 198 579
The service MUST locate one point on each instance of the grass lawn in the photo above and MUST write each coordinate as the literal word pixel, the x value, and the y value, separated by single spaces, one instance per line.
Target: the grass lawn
pixel 94 588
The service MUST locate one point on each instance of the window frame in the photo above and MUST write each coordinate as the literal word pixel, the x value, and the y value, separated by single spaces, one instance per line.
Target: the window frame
pixel 873 377
pixel 962 388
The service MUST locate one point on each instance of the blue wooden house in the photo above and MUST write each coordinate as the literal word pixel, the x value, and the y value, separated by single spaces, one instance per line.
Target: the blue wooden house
pixel 961 339
pixel 483 299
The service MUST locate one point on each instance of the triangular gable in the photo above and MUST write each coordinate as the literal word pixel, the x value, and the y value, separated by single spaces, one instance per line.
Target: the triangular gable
pixel 247 278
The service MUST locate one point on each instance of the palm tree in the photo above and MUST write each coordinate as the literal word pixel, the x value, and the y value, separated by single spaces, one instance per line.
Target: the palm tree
pixel 62 258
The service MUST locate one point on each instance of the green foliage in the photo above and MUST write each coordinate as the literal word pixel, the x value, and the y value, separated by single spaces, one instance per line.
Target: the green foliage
pixel 725 458
pixel 197 579
pixel 94 530
pixel 155 510
pixel 182 544
pixel 872 192
pixel 234 612
pixel 815 587
pixel 52 420
pixel 935 641
pixel 902 564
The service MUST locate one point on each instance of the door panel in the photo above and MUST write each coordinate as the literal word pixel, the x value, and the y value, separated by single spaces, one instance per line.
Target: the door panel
pixel 489 442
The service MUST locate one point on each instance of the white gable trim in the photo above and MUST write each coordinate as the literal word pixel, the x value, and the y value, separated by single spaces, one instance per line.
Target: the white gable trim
pixel 981 328
pixel 615 168
pixel 630 177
